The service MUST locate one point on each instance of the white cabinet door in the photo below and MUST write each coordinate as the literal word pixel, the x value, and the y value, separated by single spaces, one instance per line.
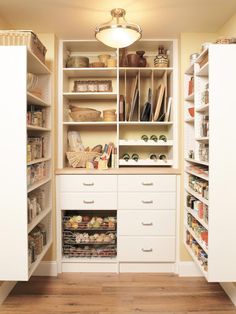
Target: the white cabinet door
pixel 146 223
pixel 146 200
pixel 146 183
pixel 146 249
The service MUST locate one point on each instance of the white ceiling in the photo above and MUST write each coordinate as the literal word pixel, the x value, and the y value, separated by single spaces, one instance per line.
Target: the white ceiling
pixel 78 18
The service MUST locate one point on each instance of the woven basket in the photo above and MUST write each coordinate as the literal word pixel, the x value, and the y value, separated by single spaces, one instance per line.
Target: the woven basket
pixel 79 159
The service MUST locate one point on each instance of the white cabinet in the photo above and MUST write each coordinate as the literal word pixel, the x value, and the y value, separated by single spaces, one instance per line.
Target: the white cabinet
pixel 210 169
pixel 16 182
pixel 146 221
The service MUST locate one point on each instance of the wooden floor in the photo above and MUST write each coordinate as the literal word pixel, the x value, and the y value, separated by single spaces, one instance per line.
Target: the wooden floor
pixel 112 293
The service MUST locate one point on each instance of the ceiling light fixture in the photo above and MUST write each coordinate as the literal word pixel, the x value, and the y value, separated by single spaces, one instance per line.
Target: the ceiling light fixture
pixel 118 33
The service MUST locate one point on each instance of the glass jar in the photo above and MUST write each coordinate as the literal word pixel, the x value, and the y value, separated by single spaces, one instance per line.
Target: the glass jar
pixel 205 95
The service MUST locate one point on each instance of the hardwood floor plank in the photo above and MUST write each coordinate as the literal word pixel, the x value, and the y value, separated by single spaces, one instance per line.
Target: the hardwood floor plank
pixel 89 293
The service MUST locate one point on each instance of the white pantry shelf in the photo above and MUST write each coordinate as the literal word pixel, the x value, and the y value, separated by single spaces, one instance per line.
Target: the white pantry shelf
pixel 197 195
pixel 90 72
pixel 199 175
pixel 143 143
pixel 203 70
pixel 34 65
pixel 189 120
pixel 98 95
pixel 145 162
pixel 36 263
pixel 199 241
pixel 34 100
pixel 146 123
pixel 194 161
pixel 38 218
pixel 36 161
pixel 91 123
pixel 195 215
pixel 190 69
pixel 196 261
pixel 189 97
pixel 38 184
pixel 203 108
pixel 202 139
pixel 37 128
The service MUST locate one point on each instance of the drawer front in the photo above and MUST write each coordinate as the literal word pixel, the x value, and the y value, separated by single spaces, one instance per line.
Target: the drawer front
pixel 148 249
pixel 146 200
pixel 88 183
pixel 88 201
pixel 147 183
pixel 146 223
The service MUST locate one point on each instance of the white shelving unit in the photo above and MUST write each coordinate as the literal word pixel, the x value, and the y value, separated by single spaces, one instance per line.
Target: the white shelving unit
pixel 122 78
pixel 213 69
pixel 15 223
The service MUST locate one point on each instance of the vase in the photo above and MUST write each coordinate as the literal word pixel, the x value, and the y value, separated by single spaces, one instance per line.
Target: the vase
pixel 142 60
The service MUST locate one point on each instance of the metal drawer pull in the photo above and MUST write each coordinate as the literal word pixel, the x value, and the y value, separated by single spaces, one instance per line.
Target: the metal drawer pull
pixel 147 250
pixel 147 224
pixel 88 184
pixel 88 202
pixel 147 183
pixel 147 202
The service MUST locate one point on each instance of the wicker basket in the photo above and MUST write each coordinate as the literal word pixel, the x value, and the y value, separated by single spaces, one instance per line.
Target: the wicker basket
pixel 79 159
pixel 23 38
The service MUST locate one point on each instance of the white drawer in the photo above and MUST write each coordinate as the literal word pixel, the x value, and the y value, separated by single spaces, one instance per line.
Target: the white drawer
pixel 146 183
pixel 88 201
pixel 148 249
pixel 146 223
pixel 146 200
pixel 88 183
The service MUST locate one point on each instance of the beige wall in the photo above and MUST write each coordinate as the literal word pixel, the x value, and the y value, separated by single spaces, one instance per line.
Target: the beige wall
pixel 229 28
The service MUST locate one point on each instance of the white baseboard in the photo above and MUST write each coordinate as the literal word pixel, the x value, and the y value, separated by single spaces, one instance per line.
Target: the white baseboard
pixel 46 269
pixel 147 267
pixel 5 289
pixel 188 269
pixel 230 290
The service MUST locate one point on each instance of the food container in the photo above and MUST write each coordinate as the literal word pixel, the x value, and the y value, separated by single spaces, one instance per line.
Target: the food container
pixel 23 38
pixel 191 111
pixel 77 62
pixel 104 58
pixel 193 57
pixel 85 114
pixel 111 63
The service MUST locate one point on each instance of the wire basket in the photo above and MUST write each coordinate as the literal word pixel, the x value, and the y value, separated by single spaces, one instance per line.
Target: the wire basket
pixel 87 252
pixel 79 159
pixel 91 239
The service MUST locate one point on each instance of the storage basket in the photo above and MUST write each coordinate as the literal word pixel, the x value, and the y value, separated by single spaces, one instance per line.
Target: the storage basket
pixel 23 38
pixel 92 86
pixel 86 251
pixel 79 159
pixel 85 114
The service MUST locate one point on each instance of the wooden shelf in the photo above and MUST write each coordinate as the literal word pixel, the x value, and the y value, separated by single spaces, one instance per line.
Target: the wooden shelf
pixel 145 162
pixel 203 70
pixel 196 260
pixel 202 108
pixel 36 161
pixel 34 100
pixel 195 215
pixel 90 72
pixel 39 258
pixel 38 218
pixel 199 197
pixel 143 143
pixel 202 176
pixel 194 161
pixel 38 184
pixel 37 128
pixel 74 96
pixel 199 241
pixel 189 97
pixel 36 66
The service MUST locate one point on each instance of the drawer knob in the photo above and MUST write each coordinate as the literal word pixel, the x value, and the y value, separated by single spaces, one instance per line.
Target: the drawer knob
pixel 147 223
pixel 88 202
pixel 147 202
pixel 147 250
pixel 88 184
pixel 147 183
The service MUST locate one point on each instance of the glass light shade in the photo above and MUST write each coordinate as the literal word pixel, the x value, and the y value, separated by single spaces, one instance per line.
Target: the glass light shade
pixel 118 33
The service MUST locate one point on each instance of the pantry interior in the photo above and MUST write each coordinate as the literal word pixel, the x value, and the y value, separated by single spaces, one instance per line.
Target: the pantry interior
pixel 135 213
